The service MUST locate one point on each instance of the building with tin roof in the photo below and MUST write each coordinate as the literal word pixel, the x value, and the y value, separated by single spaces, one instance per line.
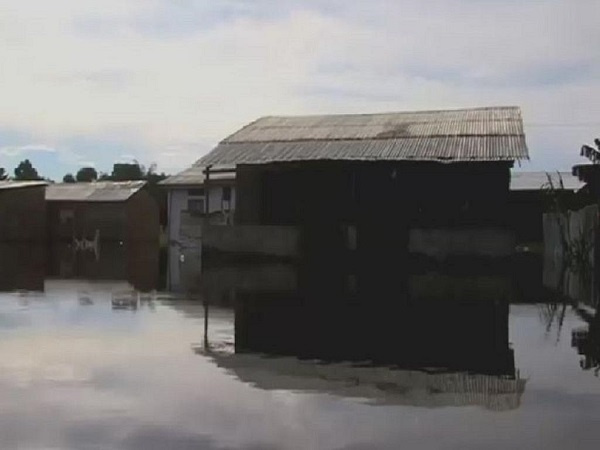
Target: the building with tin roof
pixel 113 211
pixel 22 211
pixel 381 183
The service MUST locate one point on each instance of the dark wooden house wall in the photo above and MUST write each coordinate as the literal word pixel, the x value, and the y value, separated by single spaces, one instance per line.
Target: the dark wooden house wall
pixel 526 210
pixel 424 194
pixel 143 218
pixel 23 214
pixel 81 219
pixel 381 201
pixel 22 266
pixel 470 336
pixel 136 219
pixel 136 262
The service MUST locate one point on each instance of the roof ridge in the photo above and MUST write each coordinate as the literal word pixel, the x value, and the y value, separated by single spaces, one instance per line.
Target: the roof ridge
pixel 375 138
pixel 382 113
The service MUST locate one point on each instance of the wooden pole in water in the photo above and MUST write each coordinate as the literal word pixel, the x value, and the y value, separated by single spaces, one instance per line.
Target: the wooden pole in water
pixel 207 191
pixel 206 346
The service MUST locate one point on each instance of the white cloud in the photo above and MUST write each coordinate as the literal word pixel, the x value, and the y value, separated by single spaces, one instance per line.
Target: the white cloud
pixel 89 68
pixel 15 150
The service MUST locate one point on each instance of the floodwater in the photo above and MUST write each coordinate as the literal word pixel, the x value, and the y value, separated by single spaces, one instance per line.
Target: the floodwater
pixel 93 355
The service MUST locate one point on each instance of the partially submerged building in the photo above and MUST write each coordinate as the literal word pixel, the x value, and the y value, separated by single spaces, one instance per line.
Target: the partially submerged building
pixel 22 211
pixel 532 194
pixel 113 211
pixel 191 199
pixel 379 185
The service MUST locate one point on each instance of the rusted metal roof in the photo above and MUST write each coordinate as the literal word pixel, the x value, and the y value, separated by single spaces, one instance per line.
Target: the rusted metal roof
pixel 480 134
pixel 533 181
pixel 194 176
pixel 101 191
pixel 21 184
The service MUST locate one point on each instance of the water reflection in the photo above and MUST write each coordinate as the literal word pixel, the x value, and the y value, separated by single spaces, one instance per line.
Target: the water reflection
pixel 580 290
pixel 28 267
pixel 291 357
pixel 422 339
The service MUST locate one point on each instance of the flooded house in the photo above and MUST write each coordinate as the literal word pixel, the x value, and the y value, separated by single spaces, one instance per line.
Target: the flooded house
pixel 22 211
pixel 121 212
pixel 531 195
pixel 191 198
pixel 378 186
pixel 22 235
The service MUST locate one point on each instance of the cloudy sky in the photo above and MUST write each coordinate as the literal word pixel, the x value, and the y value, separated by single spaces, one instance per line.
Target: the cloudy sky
pixel 162 81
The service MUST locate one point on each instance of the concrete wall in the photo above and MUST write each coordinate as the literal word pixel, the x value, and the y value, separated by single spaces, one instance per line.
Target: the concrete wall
pixel 468 288
pixel 267 240
pixel 181 224
pixel 578 223
pixel 184 268
pixel 249 278
pixel 444 243
pixel 177 200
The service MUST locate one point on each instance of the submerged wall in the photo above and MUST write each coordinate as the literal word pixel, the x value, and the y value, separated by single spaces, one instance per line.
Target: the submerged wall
pixel 441 244
pixel 279 241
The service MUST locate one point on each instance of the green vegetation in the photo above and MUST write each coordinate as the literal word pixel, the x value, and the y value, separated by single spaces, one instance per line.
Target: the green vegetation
pixel 576 244
pixel 86 174
pixel 26 172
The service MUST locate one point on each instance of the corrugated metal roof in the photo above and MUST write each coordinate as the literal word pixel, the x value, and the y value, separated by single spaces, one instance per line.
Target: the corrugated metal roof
pixel 480 134
pixel 195 176
pixel 532 181
pixel 102 191
pixel 21 184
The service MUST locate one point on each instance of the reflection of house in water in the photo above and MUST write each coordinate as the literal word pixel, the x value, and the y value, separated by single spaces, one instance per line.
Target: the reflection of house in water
pixel 27 266
pixel 587 340
pixel 137 264
pixel 119 294
pixel 445 333
pixel 433 183
pixel 382 385
pixel 404 341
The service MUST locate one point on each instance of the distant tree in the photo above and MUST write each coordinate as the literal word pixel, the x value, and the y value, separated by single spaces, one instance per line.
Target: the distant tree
pixel 3 174
pixel 69 178
pixel 135 171
pixel 152 177
pixel 87 174
pixel 128 172
pixel 26 172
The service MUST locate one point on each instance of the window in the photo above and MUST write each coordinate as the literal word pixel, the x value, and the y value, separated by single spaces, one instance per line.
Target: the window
pixel 226 193
pixel 199 192
pixel 196 207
